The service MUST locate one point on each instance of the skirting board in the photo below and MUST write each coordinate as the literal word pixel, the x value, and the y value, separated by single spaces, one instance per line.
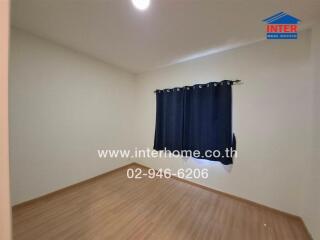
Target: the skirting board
pixel 62 190
pixel 236 198
pixel 134 164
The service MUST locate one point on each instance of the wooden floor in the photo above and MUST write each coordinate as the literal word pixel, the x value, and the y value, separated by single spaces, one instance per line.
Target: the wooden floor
pixel 115 207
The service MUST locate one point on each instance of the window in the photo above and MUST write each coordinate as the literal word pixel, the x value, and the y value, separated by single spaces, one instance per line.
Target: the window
pixel 196 118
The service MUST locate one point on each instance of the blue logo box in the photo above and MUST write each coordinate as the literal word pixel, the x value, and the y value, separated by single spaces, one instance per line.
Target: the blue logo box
pixel 282 35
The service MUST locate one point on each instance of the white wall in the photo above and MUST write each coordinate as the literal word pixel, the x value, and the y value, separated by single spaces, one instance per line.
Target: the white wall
pixel 63 107
pixel 311 201
pixel 272 118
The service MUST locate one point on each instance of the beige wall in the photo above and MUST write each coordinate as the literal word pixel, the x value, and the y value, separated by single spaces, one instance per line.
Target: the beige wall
pixel 272 118
pixel 5 210
pixel 63 107
pixel 311 201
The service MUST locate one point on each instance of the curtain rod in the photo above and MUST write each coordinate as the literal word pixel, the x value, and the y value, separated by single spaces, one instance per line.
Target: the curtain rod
pixel 234 82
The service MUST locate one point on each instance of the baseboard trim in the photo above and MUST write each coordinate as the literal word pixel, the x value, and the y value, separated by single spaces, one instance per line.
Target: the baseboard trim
pixel 305 227
pixel 277 211
pixel 62 190
pixel 225 194
pixel 135 164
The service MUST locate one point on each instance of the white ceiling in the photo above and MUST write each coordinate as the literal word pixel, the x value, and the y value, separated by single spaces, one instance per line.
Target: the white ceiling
pixel 170 31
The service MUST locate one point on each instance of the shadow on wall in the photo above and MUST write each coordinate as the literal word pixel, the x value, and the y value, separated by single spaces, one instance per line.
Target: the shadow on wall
pixel 203 163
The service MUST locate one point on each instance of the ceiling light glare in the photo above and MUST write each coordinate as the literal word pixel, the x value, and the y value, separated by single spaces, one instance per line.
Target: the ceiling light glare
pixel 141 4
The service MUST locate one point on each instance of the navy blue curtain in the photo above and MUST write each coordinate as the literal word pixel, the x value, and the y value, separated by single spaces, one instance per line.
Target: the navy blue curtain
pixel 196 118
pixel 169 120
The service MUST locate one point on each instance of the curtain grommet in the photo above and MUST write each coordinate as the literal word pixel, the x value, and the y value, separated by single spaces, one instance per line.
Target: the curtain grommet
pixel 177 117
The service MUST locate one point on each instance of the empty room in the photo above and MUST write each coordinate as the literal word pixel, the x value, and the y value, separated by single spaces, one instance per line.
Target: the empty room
pixel 160 120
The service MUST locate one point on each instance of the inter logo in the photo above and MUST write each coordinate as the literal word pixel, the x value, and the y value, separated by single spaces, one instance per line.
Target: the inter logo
pixel 282 26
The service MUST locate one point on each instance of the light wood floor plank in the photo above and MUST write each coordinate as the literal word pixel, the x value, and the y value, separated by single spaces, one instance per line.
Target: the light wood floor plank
pixel 115 207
